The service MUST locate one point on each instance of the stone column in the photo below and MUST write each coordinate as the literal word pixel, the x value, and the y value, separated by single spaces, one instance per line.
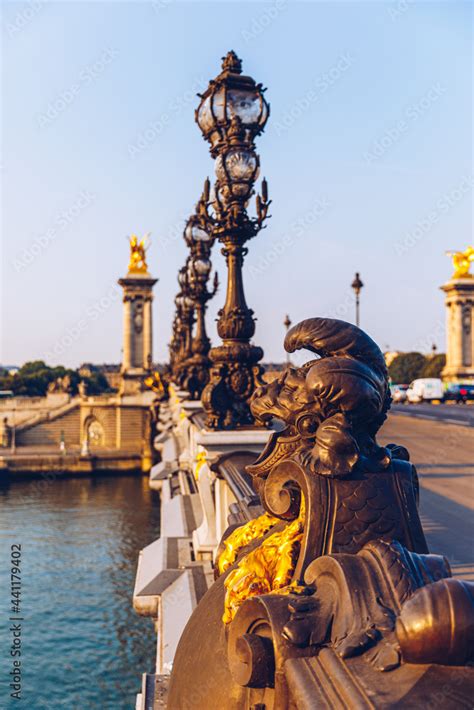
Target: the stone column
pixel 460 326
pixel 137 342
pixel 127 334
pixel 147 334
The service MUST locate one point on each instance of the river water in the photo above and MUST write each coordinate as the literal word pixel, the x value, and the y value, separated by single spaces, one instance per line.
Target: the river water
pixel 82 645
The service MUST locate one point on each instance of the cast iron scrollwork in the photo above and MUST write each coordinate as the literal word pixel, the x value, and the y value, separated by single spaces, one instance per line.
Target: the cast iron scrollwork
pixel 232 112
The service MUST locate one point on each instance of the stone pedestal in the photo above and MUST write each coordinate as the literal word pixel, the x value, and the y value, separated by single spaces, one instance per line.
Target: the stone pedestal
pixel 137 330
pixel 460 330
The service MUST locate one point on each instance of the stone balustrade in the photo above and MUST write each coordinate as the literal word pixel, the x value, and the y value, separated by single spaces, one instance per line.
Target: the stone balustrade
pixel 204 488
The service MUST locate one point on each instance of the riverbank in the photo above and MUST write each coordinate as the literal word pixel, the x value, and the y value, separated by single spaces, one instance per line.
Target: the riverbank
pixel 35 461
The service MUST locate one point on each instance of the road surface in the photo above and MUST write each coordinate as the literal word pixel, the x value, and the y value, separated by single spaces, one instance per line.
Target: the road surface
pixel 450 413
pixel 444 457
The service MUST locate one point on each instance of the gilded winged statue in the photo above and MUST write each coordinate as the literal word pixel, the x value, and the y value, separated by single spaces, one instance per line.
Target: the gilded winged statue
pixel 137 263
pixel 462 262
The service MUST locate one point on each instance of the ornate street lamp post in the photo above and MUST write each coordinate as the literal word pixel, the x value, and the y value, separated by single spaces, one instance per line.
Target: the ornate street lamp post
pixel 182 328
pixel 232 112
pixel 199 240
pixel 357 285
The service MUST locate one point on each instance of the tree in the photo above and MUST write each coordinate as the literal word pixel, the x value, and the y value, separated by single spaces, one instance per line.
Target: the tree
pixel 406 367
pixel 97 383
pixel 32 367
pixel 33 379
pixel 434 366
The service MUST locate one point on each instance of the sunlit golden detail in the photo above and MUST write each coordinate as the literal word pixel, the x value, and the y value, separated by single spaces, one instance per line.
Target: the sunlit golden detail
pixel 243 536
pixel 200 461
pixel 137 263
pixel 462 262
pixel 155 383
pixel 269 568
pixel 173 396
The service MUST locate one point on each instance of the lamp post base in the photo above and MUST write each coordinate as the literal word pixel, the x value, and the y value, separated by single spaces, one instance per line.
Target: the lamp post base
pixel 196 375
pixel 233 377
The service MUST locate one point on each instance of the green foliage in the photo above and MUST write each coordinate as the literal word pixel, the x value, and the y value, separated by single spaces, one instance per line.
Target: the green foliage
pixel 433 366
pixel 406 367
pixel 33 367
pixel 97 383
pixel 33 379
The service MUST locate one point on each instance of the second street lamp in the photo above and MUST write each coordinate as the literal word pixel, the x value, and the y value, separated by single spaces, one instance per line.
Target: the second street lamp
pixel 199 241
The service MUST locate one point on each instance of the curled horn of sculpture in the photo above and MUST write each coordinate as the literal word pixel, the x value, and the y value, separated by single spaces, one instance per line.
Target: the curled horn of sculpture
pixel 339 400
pixel 330 598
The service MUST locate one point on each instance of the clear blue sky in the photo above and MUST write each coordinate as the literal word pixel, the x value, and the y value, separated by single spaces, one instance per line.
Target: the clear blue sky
pixel 368 154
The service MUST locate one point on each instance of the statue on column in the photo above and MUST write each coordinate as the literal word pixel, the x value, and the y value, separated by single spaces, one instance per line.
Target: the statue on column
pixel 462 263
pixel 137 263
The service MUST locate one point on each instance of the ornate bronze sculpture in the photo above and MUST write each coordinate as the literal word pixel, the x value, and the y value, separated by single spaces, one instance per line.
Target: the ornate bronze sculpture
pixel 330 599
pixel 232 112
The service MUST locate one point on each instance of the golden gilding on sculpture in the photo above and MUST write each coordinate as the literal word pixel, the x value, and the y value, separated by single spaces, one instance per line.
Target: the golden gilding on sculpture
pixel 137 263
pixel 243 536
pixel 269 568
pixel 200 462
pixel 462 262
pixel 155 383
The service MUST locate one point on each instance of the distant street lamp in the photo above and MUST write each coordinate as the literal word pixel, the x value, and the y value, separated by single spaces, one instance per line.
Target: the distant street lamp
pixel 357 285
pixel 231 114
pixel 199 241
pixel 181 342
pixel 287 324
pixel 434 349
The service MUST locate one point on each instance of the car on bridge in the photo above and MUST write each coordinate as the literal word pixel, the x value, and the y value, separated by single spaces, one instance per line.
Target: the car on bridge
pixel 399 393
pixel 459 393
